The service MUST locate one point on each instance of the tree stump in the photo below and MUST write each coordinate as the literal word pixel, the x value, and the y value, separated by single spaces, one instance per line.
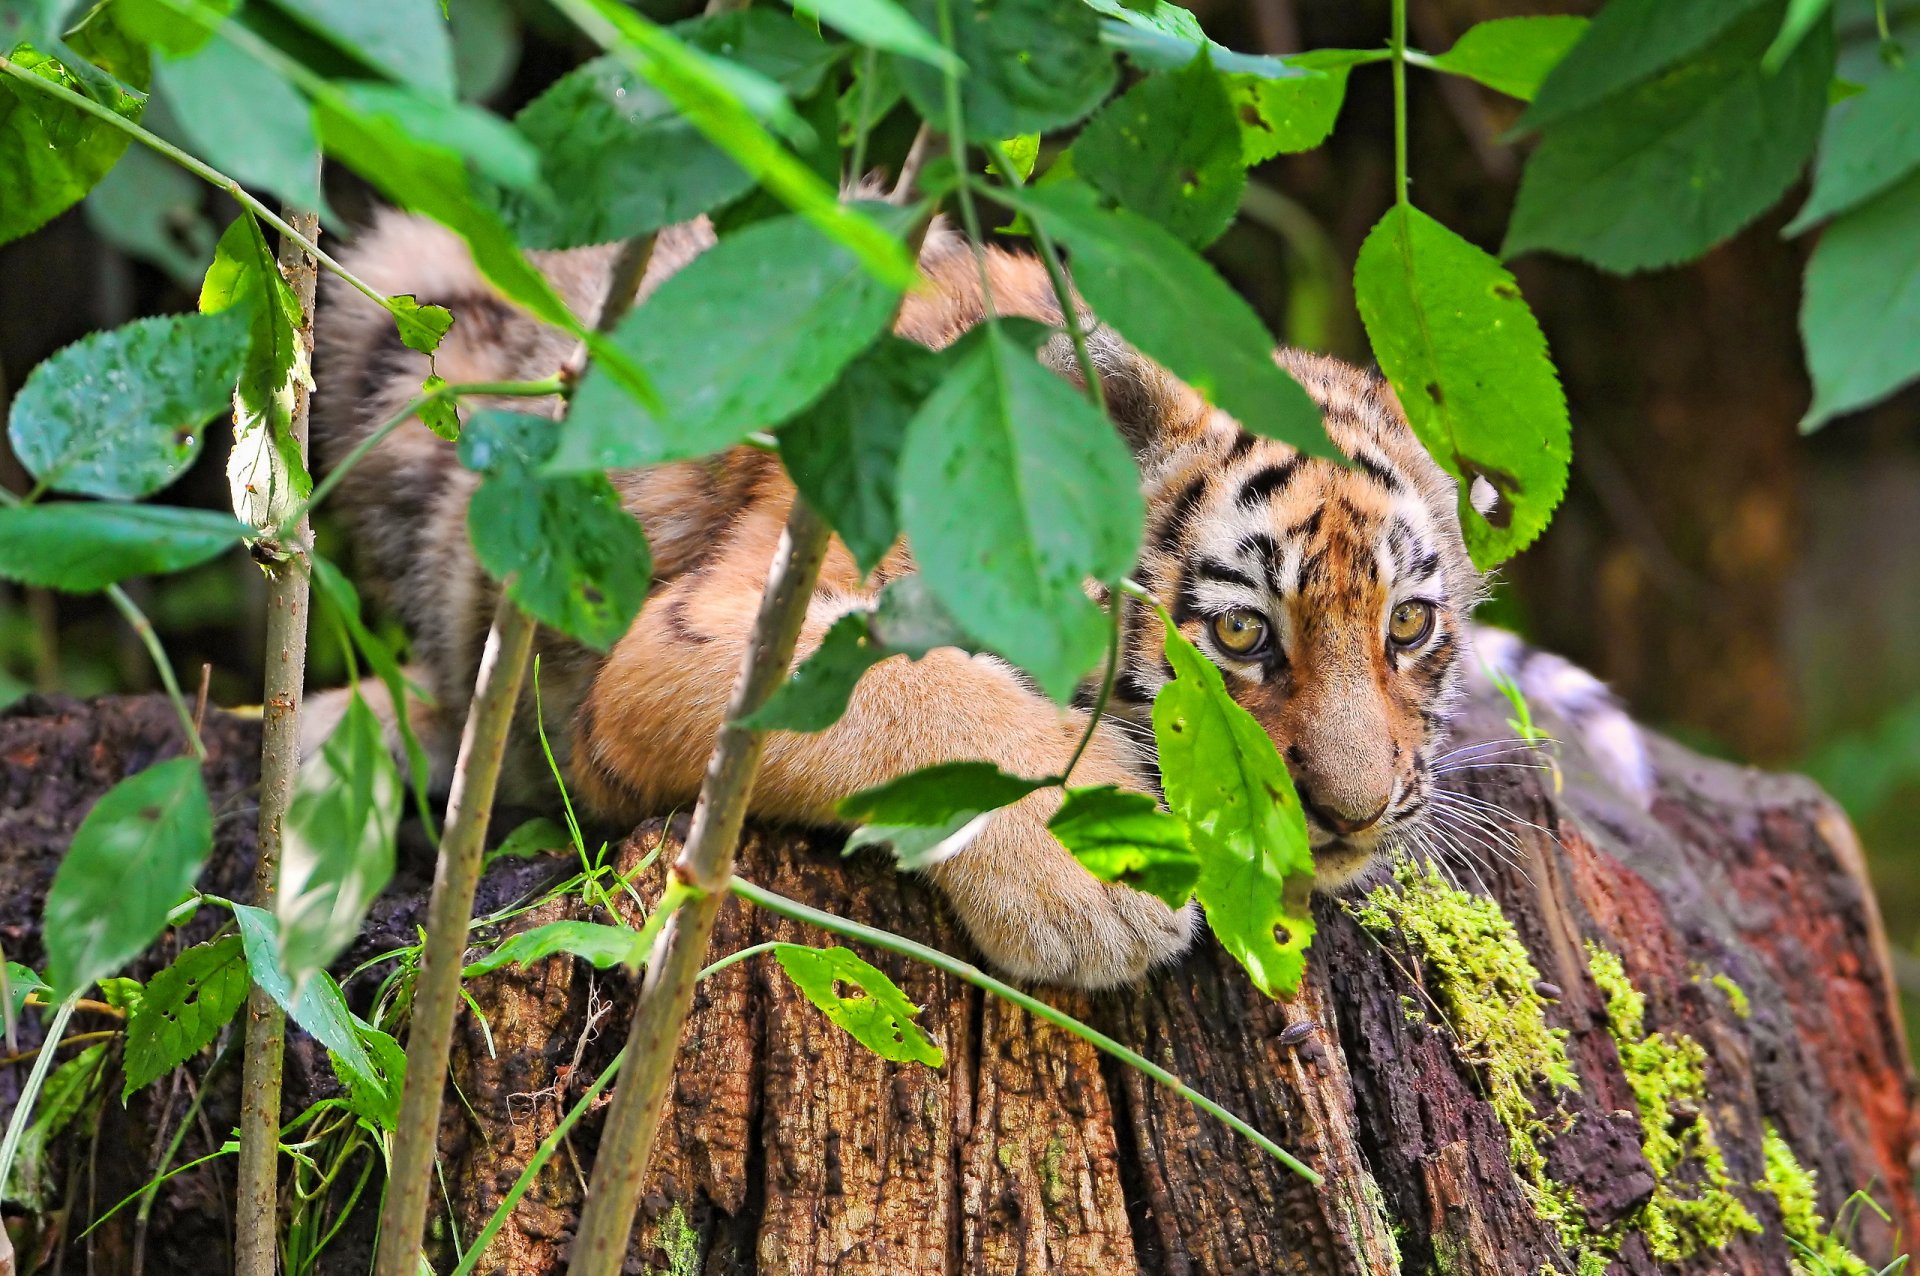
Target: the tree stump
pixel 1737 910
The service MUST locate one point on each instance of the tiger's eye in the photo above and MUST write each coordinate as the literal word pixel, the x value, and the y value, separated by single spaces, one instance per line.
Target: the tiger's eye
pixel 1241 632
pixel 1411 622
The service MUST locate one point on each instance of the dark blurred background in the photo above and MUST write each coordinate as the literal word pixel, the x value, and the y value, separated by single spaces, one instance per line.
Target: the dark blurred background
pixel 1750 591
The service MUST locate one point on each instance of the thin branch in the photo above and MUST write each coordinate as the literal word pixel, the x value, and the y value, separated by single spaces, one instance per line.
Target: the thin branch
pixel 143 628
pixel 703 869
pixel 289 579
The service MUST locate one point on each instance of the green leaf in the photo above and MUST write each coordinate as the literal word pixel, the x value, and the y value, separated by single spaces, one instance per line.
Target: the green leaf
pixel 815 694
pixel 22 983
pixel 1801 15
pixel 1120 836
pixel 1148 286
pixel 1470 366
pixel 1014 492
pixel 488 143
pixel 406 40
pixel 266 475
pixel 1032 65
pixel 422 328
pixel 752 331
pixel 339 842
pixel 1673 166
pixel 240 116
pixel 603 946
pixel 1161 36
pixel 843 453
pixel 1512 55
pixel 166 28
pixel 917 846
pixel 1292 113
pixel 1861 308
pixel 535 837
pixel 881 1018
pixel 319 1006
pixel 1628 42
pixel 53 153
pixel 1871 141
pixel 81 546
pixel 935 794
pixel 184 1008
pixel 119 414
pixel 151 209
pixel 440 412
pixel 881 24
pixel 568 551
pixel 707 93
pixel 1225 780
pixel 64 1097
pixel 1169 150
pixel 135 854
pixel 374 1095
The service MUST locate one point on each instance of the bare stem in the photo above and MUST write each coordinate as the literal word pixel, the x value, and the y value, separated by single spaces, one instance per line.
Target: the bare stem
pixel 288 583
pixel 704 868
pixel 436 990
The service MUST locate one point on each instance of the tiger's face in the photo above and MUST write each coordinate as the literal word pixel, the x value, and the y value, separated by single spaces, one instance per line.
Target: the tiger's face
pixel 1334 598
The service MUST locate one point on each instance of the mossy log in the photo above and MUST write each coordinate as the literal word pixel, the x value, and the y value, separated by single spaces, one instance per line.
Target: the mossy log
pixel 1732 921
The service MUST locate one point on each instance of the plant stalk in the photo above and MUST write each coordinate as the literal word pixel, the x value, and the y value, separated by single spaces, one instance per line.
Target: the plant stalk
pixel 1398 51
pixel 288 582
pixel 436 992
pixel 704 868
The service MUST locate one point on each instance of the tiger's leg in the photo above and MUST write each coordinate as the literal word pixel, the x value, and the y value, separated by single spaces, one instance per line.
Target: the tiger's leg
pixel 644 732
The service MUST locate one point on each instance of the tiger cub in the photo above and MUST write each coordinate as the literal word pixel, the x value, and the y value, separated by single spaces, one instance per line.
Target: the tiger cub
pixel 1335 598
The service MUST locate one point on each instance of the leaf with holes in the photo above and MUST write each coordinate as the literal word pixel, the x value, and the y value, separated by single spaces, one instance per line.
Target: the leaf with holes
pixel 1225 781
pixel 1169 150
pixel 422 327
pixel 318 1006
pixel 1032 65
pixel 1470 366
pixel 119 414
pixel 879 1017
pixel 1014 491
pixel 134 855
pixel 1667 169
pixel 1295 112
pixel 339 842
pixel 375 1094
pixel 1512 55
pixel 1148 286
pixel 1120 836
pixel 754 330
pixel 184 1008
pixel 81 546
pixel 601 946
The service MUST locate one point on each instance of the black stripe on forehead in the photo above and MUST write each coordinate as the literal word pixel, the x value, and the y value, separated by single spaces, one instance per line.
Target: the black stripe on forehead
pixel 1214 569
pixel 1242 444
pixel 1174 525
pixel 1268 481
pixel 1260 548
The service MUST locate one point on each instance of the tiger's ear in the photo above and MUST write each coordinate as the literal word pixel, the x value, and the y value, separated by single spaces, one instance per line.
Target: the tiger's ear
pixel 1153 410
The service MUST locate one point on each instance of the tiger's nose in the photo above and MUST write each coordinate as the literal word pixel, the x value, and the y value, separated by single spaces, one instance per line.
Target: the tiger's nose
pixel 1342 819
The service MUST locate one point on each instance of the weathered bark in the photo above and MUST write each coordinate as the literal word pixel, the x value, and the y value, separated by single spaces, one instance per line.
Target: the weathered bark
pixel 790 1149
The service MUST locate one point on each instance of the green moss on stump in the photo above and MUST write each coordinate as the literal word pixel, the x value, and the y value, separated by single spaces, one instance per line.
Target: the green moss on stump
pixel 1815 1251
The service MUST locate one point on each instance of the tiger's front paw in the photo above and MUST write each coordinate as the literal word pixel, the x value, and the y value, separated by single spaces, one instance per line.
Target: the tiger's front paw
pixel 1035 914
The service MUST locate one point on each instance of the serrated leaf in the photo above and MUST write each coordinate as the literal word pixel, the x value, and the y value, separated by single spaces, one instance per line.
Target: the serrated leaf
pixel 119 414
pixel 62 1098
pixel 1470 366
pixel 422 328
pixel 1032 65
pixel 1870 142
pixel 1226 782
pixel 405 39
pixel 881 24
pixel 1120 836
pixel 375 1094
pixel 709 94
pixel 1666 170
pixel 134 855
pixel 53 153
pixel 882 1019
pixel 1512 55
pixel 1628 42
pixel 749 333
pixel 1280 115
pixel 843 453
pixel 318 1007
pixel 1014 491
pixel 1148 286
pixel 602 946
pixel 338 842
pixel 243 118
pixel 815 694
pixel 184 1008
pixel 83 546
pixel 936 794
pixel 1861 307
pixel 1169 149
